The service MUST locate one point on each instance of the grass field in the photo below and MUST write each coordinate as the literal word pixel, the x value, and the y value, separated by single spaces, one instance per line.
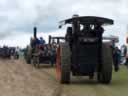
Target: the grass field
pixel 82 86
pixel 118 86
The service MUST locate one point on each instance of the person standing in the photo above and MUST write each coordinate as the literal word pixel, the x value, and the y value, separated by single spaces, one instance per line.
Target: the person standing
pixel 53 54
pixel 17 50
pixel 123 54
pixel 126 64
pixel 116 58
pixel 42 41
pixel 99 33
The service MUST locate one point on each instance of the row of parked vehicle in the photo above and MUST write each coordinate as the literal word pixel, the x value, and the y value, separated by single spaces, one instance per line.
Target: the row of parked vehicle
pixel 7 52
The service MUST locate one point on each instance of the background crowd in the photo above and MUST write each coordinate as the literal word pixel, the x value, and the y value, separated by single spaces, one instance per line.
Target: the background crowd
pixel 120 56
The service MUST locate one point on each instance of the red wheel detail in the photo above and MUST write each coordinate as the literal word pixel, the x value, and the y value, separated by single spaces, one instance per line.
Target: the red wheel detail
pixel 58 64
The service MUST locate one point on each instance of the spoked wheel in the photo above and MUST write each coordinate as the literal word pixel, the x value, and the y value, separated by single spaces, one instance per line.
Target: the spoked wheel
pixel 35 61
pixel 28 55
pixel 28 61
pixel 63 63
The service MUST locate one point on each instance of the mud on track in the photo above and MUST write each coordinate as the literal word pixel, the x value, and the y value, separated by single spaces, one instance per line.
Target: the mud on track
pixel 20 79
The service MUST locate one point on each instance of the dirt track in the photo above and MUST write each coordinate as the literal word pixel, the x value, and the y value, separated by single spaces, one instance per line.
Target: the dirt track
pixel 20 79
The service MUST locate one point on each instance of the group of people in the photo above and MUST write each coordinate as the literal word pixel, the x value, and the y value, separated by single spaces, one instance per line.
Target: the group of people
pixel 120 56
pixel 40 48
pixel 47 51
pixel 36 41
pixel 124 56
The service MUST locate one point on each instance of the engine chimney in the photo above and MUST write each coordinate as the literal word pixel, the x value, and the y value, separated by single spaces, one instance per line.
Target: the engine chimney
pixel 35 32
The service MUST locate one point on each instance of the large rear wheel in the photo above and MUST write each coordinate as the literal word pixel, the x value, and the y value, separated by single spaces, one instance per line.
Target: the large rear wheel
pixel 63 63
pixel 105 75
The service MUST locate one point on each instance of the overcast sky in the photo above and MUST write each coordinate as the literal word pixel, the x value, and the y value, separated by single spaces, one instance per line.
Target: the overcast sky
pixel 17 17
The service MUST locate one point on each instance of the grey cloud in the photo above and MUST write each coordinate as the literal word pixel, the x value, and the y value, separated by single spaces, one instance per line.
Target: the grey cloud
pixel 22 15
pixel 3 35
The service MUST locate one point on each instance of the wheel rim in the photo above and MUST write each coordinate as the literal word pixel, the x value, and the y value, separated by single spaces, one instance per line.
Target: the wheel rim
pixel 58 64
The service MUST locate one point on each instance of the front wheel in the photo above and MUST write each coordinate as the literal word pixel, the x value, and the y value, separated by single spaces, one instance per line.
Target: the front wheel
pixel 35 61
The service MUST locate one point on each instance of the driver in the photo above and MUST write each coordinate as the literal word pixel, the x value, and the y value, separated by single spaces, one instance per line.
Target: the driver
pixel 99 30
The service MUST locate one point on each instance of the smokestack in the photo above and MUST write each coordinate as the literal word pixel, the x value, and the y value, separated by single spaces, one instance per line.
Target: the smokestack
pixel 50 37
pixel 35 32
